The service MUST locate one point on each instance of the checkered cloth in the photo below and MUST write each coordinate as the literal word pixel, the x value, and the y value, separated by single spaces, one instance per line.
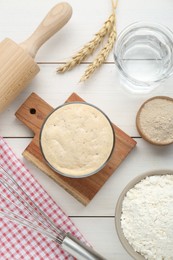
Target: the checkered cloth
pixel 21 243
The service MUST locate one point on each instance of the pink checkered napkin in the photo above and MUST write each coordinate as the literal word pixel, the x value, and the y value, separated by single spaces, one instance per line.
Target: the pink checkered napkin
pixel 20 243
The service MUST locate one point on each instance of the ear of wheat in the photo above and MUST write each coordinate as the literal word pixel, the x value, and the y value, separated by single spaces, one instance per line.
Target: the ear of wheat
pixel 89 48
pixel 107 29
pixel 101 57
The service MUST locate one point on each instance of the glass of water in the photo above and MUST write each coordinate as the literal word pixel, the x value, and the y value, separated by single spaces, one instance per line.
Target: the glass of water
pixel 143 54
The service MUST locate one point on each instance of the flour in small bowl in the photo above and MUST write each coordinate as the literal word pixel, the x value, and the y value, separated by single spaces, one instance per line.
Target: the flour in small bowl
pixel 155 120
pixel 147 217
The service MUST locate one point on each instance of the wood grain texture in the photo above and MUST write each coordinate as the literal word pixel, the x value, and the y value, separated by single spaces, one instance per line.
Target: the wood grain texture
pixel 17 68
pixel 33 113
pixel 104 91
pixel 17 21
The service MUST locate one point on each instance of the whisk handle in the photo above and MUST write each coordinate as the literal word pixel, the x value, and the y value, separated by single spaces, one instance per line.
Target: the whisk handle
pixel 79 250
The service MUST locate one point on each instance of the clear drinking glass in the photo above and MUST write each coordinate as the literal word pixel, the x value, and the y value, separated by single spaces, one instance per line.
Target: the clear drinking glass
pixel 143 54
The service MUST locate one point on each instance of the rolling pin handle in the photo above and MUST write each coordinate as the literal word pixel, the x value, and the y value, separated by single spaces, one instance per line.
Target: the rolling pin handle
pixel 57 17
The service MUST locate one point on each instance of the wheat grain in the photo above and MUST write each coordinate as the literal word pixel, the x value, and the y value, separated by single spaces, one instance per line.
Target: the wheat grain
pixel 109 28
pixel 103 54
pixel 89 48
pixel 101 57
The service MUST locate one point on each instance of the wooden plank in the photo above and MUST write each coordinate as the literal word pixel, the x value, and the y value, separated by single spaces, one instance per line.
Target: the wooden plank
pixel 144 158
pixel 18 22
pixel 105 92
pixel 33 113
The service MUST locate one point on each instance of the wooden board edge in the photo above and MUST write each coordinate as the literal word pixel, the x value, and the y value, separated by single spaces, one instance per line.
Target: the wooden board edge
pixel 27 155
pixel 123 136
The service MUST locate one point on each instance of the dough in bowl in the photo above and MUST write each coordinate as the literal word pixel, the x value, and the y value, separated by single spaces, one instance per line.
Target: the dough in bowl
pixel 77 139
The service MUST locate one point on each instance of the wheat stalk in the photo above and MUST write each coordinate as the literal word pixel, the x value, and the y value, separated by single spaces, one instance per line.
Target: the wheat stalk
pixel 101 57
pixel 103 54
pixel 89 48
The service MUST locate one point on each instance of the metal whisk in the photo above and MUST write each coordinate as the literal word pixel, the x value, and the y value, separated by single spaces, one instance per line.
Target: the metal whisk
pixel 24 211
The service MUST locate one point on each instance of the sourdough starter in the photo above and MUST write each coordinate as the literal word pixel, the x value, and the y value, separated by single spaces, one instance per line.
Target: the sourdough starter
pixel 77 139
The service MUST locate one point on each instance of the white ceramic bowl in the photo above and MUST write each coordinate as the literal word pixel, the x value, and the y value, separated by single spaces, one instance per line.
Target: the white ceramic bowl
pixel 118 210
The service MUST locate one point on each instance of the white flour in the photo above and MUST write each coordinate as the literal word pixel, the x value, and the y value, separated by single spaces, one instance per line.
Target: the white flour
pixel 147 217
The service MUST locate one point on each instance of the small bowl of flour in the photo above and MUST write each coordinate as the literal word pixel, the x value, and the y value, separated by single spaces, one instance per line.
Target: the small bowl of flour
pixel 144 216
pixel 154 120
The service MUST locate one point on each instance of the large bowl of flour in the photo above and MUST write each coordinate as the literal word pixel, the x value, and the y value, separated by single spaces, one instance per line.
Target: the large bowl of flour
pixel 144 216
pixel 77 139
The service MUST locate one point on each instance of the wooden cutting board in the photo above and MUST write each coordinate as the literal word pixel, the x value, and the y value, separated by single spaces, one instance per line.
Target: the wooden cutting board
pixel 33 113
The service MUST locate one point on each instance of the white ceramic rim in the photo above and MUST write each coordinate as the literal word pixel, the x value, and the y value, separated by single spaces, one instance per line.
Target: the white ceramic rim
pixel 118 210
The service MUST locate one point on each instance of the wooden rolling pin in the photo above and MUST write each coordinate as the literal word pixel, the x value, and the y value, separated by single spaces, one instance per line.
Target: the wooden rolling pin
pixel 17 65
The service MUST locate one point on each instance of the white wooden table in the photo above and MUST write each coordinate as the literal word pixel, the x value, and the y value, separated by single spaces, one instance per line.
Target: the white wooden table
pixel 17 20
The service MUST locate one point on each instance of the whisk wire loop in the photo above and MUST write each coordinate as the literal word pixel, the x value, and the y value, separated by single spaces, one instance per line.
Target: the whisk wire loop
pixel 18 207
pixel 22 202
